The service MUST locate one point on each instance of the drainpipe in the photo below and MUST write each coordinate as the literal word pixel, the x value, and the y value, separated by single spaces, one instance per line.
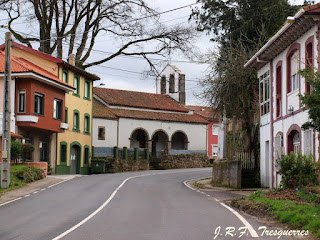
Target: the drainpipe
pixel 118 132
pixel 56 152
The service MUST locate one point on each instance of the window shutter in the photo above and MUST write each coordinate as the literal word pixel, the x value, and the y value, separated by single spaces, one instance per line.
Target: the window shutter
pixel 277 147
pixel 308 143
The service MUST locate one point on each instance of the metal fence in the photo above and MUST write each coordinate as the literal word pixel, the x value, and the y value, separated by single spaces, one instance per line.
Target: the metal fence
pixel 247 159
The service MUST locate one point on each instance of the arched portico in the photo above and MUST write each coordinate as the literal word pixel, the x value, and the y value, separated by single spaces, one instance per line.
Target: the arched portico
pixel 179 141
pixel 139 138
pixel 160 142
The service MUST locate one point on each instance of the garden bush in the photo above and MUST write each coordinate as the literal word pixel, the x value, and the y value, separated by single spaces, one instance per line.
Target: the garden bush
pixel 297 171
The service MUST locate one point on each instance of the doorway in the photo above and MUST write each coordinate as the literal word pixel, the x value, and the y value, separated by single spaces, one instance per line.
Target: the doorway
pixel 75 158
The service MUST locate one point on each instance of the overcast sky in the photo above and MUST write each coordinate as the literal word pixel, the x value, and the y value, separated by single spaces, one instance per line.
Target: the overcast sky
pixel 137 82
pixel 132 78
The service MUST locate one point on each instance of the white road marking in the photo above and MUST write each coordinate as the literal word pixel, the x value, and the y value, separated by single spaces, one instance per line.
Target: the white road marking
pixel 16 199
pixel 109 200
pixel 242 219
pixel 10 201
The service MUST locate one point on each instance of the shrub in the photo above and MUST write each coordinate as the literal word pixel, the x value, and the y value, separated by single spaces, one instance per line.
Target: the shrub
pixel 297 170
pixel 27 174
pixel 16 150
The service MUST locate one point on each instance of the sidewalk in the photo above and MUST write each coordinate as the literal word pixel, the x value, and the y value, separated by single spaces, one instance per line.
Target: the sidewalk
pixel 222 193
pixel 34 186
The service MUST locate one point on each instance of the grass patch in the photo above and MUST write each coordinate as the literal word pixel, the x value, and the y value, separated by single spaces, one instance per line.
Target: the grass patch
pixel 20 175
pixel 302 213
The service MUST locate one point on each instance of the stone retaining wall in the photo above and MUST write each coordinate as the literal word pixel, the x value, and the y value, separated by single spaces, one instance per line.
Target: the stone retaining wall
pixel 227 172
pixel 126 165
pixel 195 160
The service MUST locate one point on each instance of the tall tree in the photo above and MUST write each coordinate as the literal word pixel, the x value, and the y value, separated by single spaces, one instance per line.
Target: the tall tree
pixel 75 25
pixel 241 19
pixel 240 28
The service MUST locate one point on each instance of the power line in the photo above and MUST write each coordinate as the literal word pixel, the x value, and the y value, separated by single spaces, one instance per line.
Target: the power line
pixel 133 20
pixel 139 73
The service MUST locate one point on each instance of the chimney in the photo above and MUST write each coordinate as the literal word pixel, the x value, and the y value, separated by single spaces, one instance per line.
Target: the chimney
pixel 182 89
pixel 72 59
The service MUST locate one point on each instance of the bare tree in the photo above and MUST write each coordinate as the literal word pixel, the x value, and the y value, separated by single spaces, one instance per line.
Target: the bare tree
pixel 79 22
pixel 231 88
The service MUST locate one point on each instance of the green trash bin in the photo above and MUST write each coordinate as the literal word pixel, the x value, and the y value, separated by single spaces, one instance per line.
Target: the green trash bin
pixel 98 166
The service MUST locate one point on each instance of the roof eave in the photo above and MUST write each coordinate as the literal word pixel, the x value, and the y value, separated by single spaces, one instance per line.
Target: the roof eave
pixel 42 79
pixel 79 70
pixel 273 39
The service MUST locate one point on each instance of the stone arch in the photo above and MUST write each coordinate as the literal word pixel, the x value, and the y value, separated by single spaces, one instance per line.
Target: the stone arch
pixel 293 139
pixel 139 138
pixel 179 140
pixel 160 140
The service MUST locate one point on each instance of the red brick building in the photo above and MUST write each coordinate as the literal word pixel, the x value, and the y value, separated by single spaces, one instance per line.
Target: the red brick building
pixel 37 106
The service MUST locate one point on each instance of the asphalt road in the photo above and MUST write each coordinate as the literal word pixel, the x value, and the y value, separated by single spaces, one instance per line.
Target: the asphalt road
pixel 151 205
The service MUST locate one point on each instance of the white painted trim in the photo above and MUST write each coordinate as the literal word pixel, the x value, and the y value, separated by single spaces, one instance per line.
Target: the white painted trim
pixel 27 118
pixel 64 125
pixel 41 79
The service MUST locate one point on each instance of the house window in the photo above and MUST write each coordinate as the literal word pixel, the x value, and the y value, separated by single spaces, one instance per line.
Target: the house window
pixel 215 130
pixel 296 143
pixel 38 103
pixel 22 101
pixel 76 84
pixel 278 91
pixel 86 155
pixel 308 142
pixel 264 93
pixel 101 133
pixel 309 62
pixel 86 123
pixel 87 89
pixel 65 76
pixel 63 153
pixel 214 150
pixel 57 105
pixel 171 84
pixel 294 69
pixel 76 120
pixel 66 115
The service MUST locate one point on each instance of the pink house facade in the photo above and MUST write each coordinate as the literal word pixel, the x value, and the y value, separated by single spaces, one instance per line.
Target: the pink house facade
pixel 294 47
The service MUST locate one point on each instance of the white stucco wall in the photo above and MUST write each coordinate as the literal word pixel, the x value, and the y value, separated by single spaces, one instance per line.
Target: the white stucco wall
pixel 196 133
pixel 265 156
pixel 110 132
pixel 286 121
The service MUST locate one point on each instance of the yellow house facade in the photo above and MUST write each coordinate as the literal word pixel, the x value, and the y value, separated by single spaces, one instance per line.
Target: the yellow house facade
pixel 75 143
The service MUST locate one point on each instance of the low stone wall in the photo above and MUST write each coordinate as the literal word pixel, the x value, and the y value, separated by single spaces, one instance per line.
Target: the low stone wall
pixel 194 160
pixel 227 172
pixel 126 165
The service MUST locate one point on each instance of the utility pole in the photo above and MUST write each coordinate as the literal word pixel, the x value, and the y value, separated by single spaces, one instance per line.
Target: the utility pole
pixel 6 130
